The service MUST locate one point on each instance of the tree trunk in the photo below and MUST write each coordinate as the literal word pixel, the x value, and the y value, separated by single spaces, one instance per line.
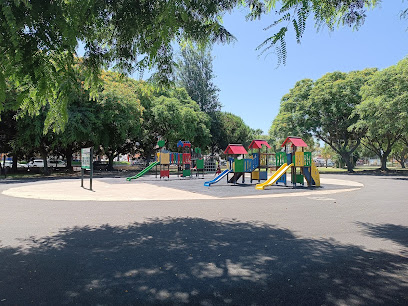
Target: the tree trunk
pixel 345 156
pixel 68 154
pixel 14 167
pixel 402 162
pixel 111 157
pixel 148 155
pixel 384 159
pixel 44 157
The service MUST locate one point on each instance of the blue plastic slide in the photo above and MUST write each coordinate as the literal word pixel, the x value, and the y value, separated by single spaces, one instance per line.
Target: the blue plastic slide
pixel 218 178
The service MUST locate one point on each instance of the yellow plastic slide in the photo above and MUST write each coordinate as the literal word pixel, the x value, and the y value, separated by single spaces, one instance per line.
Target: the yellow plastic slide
pixel 315 174
pixel 274 177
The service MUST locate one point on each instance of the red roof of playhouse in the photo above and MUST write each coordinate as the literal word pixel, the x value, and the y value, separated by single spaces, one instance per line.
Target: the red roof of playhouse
pixel 296 141
pixel 257 144
pixel 235 149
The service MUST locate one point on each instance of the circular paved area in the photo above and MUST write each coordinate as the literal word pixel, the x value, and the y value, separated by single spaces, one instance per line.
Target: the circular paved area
pixel 227 245
pixel 151 189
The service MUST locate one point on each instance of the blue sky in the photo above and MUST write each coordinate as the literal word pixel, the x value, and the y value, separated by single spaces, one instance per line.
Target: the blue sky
pixel 252 86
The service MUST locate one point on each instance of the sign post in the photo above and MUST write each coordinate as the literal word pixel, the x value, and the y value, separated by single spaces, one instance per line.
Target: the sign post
pixel 86 164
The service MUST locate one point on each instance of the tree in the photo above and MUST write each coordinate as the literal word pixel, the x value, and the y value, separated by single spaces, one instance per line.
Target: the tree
pixel 230 129
pixel 120 115
pixel 294 14
pixel 292 113
pixel 30 138
pixel 171 115
pixel 40 37
pixel 195 74
pixel 330 106
pixel 322 109
pixel 400 153
pixel 327 153
pixel 383 113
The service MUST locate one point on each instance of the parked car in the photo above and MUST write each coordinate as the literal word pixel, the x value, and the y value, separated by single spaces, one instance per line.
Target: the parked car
pixel 138 162
pixel 100 165
pixel 39 163
pixel 9 164
pixel 55 163
pixel 35 163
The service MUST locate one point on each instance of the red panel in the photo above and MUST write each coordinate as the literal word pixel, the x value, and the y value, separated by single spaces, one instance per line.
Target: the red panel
pixel 235 149
pixel 257 144
pixel 296 141
pixel 165 173
pixel 186 158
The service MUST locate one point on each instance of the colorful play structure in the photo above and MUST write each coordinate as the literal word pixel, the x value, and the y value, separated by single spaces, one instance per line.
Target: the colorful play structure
pixel 186 159
pixel 257 164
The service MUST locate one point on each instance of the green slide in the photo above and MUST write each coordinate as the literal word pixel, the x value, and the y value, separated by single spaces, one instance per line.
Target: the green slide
pixel 143 171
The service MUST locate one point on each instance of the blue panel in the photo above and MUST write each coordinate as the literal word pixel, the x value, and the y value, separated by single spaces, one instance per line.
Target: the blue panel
pixel 282 179
pixel 263 175
pixel 289 158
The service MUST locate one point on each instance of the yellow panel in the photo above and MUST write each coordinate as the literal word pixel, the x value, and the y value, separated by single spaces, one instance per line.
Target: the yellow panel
pixel 165 158
pixel 158 156
pixel 315 174
pixel 299 159
pixel 255 175
pixel 263 160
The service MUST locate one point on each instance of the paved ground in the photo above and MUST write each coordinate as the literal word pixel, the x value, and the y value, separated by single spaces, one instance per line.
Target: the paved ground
pixel 343 244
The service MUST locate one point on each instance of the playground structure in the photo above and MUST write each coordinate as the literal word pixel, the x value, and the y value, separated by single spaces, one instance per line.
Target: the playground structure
pixel 257 164
pixel 264 160
pixel 185 160
pixel 238 165
pixel 295 158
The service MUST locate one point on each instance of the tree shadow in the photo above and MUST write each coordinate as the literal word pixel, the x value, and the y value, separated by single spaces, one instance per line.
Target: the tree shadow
pixel 196 261
pixel 396 233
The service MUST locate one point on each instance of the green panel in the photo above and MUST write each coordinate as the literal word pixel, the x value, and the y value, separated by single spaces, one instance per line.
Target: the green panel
pixel 161 143
pixel 280 158
pixel 308 159
pixel 200 164
pixel 239 165
pixel 186 172
pixel 299 178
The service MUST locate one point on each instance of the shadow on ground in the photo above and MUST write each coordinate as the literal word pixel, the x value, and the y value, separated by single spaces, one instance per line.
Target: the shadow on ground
pixel 175 261
pixel 396 233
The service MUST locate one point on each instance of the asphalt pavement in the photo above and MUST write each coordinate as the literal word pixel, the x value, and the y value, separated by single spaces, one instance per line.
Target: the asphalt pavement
pixel 158 242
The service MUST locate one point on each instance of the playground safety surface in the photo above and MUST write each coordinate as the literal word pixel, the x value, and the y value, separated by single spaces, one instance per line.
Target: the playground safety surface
pixel 150 188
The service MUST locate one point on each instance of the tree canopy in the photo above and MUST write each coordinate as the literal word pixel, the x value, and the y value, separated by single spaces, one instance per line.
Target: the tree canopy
pixel 40 38
pixel 383 113
pixel 293 14
pixel 323 109
pixel 195 74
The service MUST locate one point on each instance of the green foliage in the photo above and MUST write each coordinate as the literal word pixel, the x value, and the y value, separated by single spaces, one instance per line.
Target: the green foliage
pixel 383 114
pixel 291 117
pixel 176 119
pixel 195 73
pixel 400 152
pixel 294 14
pixel 39 39
pixel 120 115
pixel 228 128
pixel 323 109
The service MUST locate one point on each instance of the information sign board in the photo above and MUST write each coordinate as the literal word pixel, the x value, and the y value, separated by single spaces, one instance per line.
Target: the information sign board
pixel 86 158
